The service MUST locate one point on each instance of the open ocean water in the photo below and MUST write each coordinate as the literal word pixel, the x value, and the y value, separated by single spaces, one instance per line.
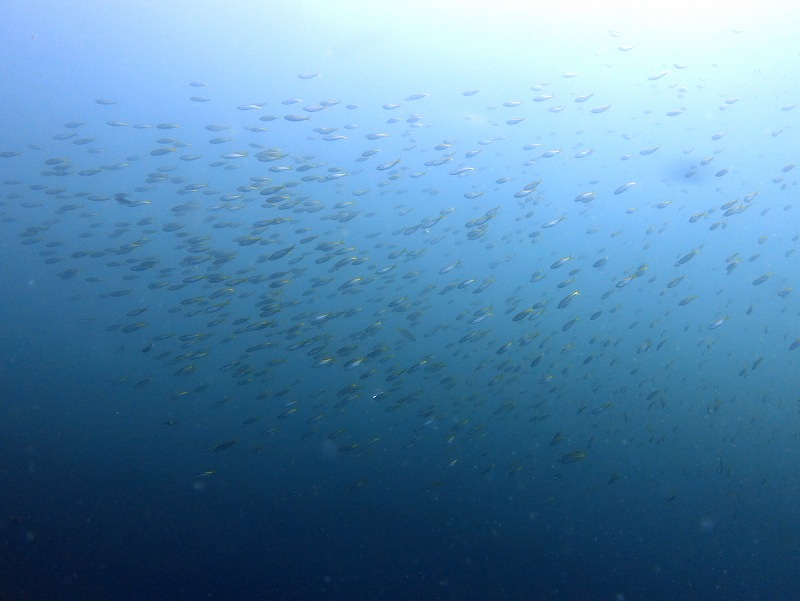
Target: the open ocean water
pixel 399 300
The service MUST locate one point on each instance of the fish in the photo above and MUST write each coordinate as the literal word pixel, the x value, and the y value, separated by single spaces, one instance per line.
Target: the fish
pixel 573 456
pixel 624 187
pixel 223 446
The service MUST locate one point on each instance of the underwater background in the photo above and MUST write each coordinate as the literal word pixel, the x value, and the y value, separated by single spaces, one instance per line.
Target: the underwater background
pixel 399 300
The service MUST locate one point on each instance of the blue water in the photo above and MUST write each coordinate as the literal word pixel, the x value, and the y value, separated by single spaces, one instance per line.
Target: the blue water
pixel 252 357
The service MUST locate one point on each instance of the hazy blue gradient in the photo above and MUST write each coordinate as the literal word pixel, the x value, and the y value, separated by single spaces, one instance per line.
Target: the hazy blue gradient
pixel 384 447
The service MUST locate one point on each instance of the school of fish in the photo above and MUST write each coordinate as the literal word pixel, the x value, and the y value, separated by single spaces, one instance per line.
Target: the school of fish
pixel 453 274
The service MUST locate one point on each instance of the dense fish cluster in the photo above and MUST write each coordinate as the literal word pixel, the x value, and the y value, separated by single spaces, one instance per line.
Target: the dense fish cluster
pixel 450 280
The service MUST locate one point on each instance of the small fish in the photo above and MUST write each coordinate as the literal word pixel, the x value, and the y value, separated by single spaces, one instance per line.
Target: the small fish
pixel 553 223
pixel 714 325
pixel 407 335
pixel 449 268
pixel 624 187
pixel 567 299
pixel 573 456
pixel 687 257
pixel 224 445
pixel 386 166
